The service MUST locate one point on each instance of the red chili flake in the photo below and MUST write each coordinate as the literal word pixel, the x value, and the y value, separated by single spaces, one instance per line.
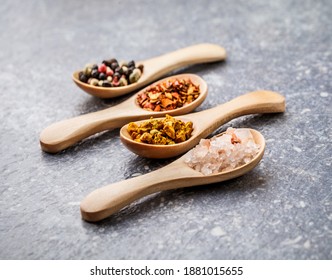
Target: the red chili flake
pixel 169 95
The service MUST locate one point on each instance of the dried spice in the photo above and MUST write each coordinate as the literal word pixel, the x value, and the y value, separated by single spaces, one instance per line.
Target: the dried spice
pixel 166 131
pixel 168 95
pixel 223 153
pixel 111 73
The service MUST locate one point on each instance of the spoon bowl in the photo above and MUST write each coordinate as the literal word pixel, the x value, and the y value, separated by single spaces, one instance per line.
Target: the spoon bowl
pixel 104 92
pixel 64 134
pixel 205 122
pixel 155 68
pixel 108 200
pixel 153 150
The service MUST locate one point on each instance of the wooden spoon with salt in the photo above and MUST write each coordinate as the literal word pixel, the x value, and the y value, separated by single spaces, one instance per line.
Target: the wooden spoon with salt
pixel 156 67
pixel 108 200
pixel 205 122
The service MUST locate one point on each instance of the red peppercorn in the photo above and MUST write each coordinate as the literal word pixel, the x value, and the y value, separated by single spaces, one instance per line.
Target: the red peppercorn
pixel 115 79
pixel 102 68
pixel 109 72
pixel 115 84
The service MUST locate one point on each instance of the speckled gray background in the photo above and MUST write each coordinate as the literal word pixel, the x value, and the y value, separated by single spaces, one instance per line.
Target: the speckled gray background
pixel 280 210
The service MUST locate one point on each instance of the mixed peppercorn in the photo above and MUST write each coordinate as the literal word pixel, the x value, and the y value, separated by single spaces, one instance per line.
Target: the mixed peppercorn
pixel 168 95
pixel 165 131
pixel 111 73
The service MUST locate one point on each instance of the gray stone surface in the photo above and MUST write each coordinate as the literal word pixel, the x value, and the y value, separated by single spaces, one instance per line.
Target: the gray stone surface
pixel 280 210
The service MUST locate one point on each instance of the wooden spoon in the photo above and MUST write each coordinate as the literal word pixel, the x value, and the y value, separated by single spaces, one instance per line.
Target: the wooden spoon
pixel 108 200
pixel 156 67
pixel 63 134
pixel 205 122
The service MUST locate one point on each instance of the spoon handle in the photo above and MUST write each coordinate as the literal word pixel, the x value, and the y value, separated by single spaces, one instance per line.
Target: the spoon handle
pixel 201 53
pixel 108 200
pixel 64 134
pixel 256 102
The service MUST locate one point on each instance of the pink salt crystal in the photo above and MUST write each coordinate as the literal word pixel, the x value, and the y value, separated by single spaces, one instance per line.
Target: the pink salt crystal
pixel 243 134
pixel 219 154
pixel 205 142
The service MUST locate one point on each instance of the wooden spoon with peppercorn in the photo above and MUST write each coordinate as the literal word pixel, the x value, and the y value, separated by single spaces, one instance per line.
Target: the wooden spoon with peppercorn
pixel 110 199
pixel 154 68
pixel 205 122
pixel 153 100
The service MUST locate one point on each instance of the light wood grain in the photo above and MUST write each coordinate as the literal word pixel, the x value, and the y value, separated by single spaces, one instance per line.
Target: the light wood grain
pixel 205 122
pixel 66 133
pixel 108 200
pixel 155 68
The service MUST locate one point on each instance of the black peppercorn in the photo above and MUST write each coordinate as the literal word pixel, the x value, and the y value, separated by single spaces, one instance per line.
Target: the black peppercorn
pixel 131 64
pixel 107 63
pixel 83 78
pixel 117 74
pixel 130 70
pixel 119 70
pixel 113 60
pixel 114 65
pixel 106 84
pixel 95 73
pixel 102 76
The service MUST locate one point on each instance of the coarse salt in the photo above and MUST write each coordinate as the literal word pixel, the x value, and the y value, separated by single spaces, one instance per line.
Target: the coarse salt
pixel 232 149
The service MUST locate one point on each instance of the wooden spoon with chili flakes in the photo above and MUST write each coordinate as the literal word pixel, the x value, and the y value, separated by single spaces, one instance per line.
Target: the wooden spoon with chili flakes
pixel 66 133
pixel 156 67
pixel 205 122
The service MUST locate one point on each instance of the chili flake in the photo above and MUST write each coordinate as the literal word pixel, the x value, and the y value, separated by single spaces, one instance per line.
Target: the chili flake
pixel 168 95
pixel 166 131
